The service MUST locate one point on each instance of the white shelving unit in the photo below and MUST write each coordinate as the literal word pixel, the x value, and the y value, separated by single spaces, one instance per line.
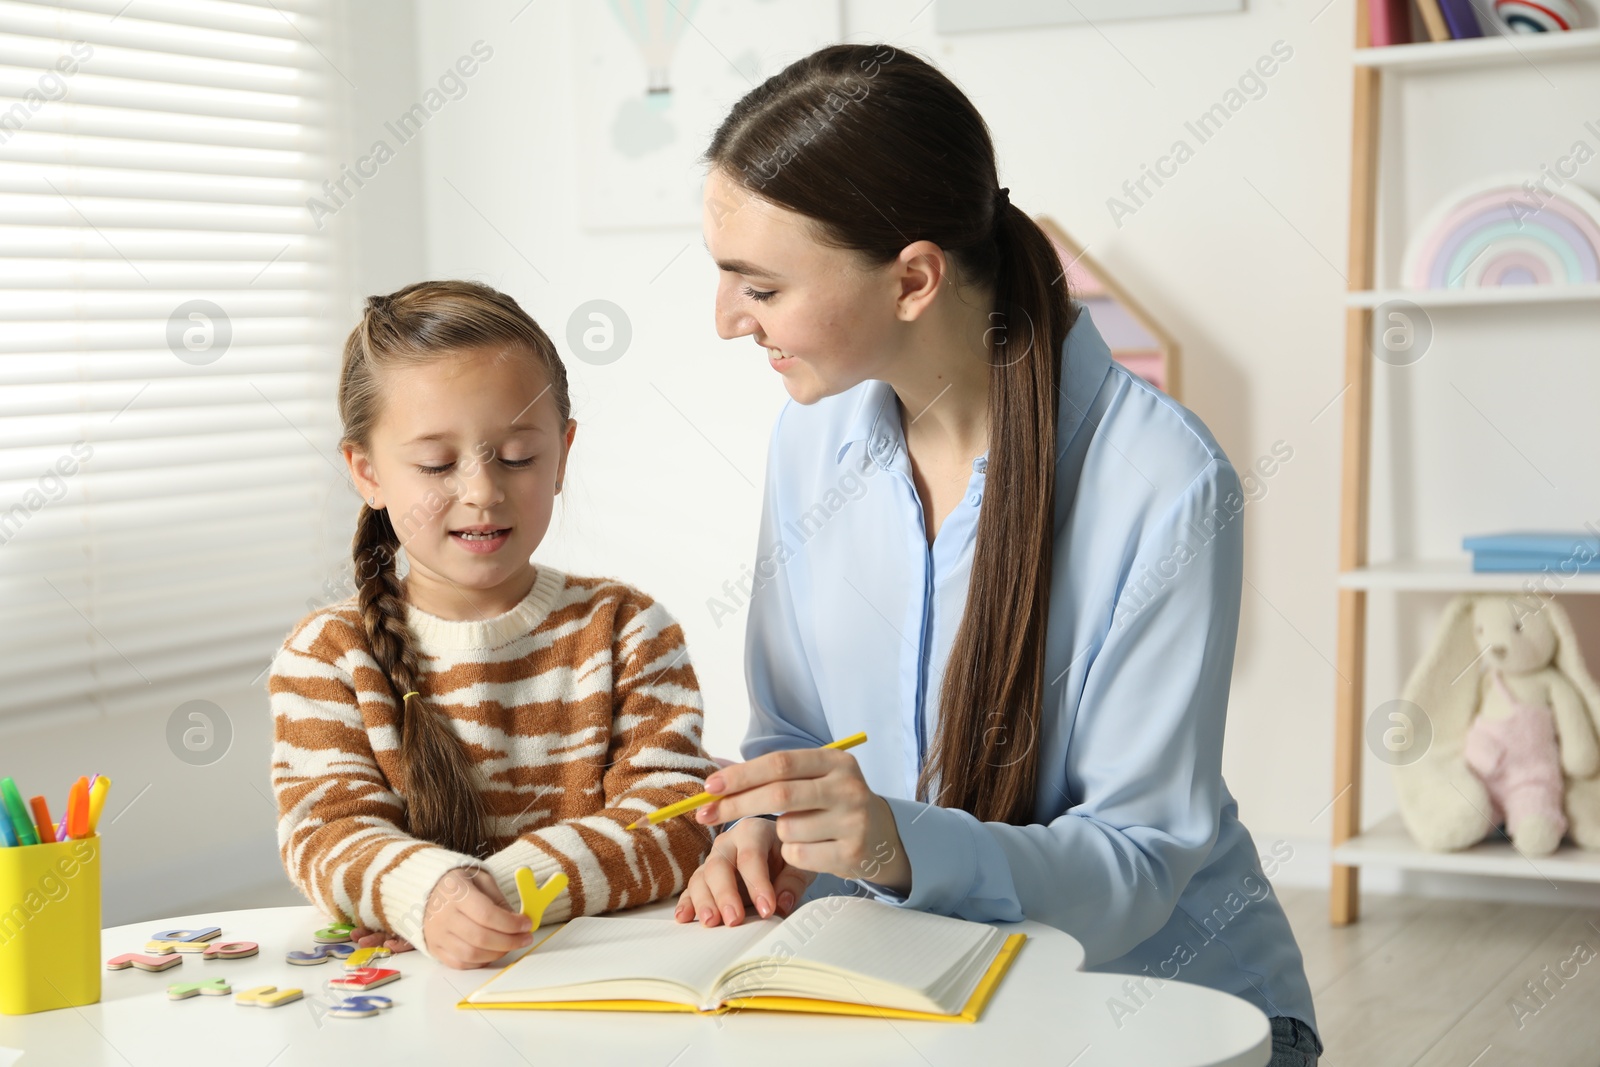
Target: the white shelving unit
pixel 1388 844
pixel 1451 576
pixel 1453 298
pixel 1482 51
pixel 1546 317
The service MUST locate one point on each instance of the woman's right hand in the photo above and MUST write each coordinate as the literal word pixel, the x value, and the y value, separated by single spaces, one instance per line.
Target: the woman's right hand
pixel 746 864
pixel 468 922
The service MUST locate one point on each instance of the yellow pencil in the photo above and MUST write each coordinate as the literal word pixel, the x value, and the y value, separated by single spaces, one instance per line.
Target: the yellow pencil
pixel 700 800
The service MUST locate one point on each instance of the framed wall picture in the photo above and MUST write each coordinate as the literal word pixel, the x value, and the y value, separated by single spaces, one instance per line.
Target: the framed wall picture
pixel 653 80
pixel 959 16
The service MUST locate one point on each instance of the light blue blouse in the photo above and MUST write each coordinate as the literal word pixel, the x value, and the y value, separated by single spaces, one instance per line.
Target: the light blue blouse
pixel 1136 848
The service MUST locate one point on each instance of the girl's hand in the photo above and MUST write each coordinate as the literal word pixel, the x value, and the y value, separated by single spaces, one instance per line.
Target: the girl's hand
pixel 468 921
pixel 747 857
pixel 362 937
pixel 832 822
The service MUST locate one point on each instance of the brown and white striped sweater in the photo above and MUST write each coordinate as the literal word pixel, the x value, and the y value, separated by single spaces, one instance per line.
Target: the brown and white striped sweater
pixel 579 709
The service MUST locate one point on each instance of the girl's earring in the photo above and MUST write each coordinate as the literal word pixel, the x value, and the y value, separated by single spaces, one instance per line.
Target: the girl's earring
pixel 372 501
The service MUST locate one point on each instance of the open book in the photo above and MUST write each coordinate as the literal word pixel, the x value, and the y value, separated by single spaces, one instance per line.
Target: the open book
pixel 839 955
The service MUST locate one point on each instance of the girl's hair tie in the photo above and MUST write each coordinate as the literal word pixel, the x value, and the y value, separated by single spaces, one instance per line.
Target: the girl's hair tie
pixel 409 695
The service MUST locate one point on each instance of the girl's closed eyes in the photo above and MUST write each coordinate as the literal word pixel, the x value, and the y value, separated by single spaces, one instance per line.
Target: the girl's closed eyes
pixel 514 464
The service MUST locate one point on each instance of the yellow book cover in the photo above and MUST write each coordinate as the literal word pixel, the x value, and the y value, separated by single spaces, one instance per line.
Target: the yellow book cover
pixel 834 955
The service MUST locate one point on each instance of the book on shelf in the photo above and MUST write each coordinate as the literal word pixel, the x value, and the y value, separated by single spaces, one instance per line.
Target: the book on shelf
pixel 1433 20
pixel 1390 22
pixel 1460 19
pixel 1572 552
pixel 838 955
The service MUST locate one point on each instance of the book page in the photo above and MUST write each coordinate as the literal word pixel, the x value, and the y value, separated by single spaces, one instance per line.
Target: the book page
pixel 631 958
pixel 878 947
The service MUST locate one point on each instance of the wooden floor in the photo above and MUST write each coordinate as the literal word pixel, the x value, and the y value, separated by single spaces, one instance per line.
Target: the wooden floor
pixel 1434 982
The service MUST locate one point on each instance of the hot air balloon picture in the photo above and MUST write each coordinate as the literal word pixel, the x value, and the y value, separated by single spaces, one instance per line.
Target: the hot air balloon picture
pixel 1506 230
pixel 651 81
pixel 655 27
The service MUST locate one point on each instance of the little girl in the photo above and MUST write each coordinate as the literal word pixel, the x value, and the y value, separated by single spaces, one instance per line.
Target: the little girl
pixel 439 730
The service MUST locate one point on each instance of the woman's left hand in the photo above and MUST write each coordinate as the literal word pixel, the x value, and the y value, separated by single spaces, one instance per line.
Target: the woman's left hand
pixel 831 821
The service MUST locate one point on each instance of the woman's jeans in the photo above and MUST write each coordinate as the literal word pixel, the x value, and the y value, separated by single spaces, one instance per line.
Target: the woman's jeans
pixel 1294 1044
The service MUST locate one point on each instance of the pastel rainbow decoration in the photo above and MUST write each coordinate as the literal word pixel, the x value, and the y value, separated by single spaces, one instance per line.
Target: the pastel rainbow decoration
pixel 1495 233
pixel 1537 16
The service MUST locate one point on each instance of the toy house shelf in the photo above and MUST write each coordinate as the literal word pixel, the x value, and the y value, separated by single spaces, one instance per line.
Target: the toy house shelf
pixel 1425 117
pixel 1136 339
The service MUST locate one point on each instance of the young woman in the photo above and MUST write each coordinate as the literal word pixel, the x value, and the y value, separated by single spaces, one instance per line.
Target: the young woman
pixel 1013 563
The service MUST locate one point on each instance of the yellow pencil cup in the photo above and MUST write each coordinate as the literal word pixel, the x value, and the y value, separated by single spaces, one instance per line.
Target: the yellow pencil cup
pixel 49 925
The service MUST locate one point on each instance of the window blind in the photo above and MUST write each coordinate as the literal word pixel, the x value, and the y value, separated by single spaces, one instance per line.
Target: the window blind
pixel 167 452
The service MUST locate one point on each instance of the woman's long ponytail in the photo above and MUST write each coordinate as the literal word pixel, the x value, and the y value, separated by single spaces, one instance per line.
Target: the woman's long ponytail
pixel 984 758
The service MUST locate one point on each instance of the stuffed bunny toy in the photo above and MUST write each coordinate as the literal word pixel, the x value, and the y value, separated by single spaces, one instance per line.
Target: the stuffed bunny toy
pixel 1515 740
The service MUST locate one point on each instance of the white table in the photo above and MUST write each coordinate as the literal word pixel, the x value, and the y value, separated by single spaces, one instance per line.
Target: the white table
pixel 1045 1011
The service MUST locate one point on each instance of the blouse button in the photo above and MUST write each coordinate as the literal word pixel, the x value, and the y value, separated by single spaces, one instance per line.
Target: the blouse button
pixel 974 499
